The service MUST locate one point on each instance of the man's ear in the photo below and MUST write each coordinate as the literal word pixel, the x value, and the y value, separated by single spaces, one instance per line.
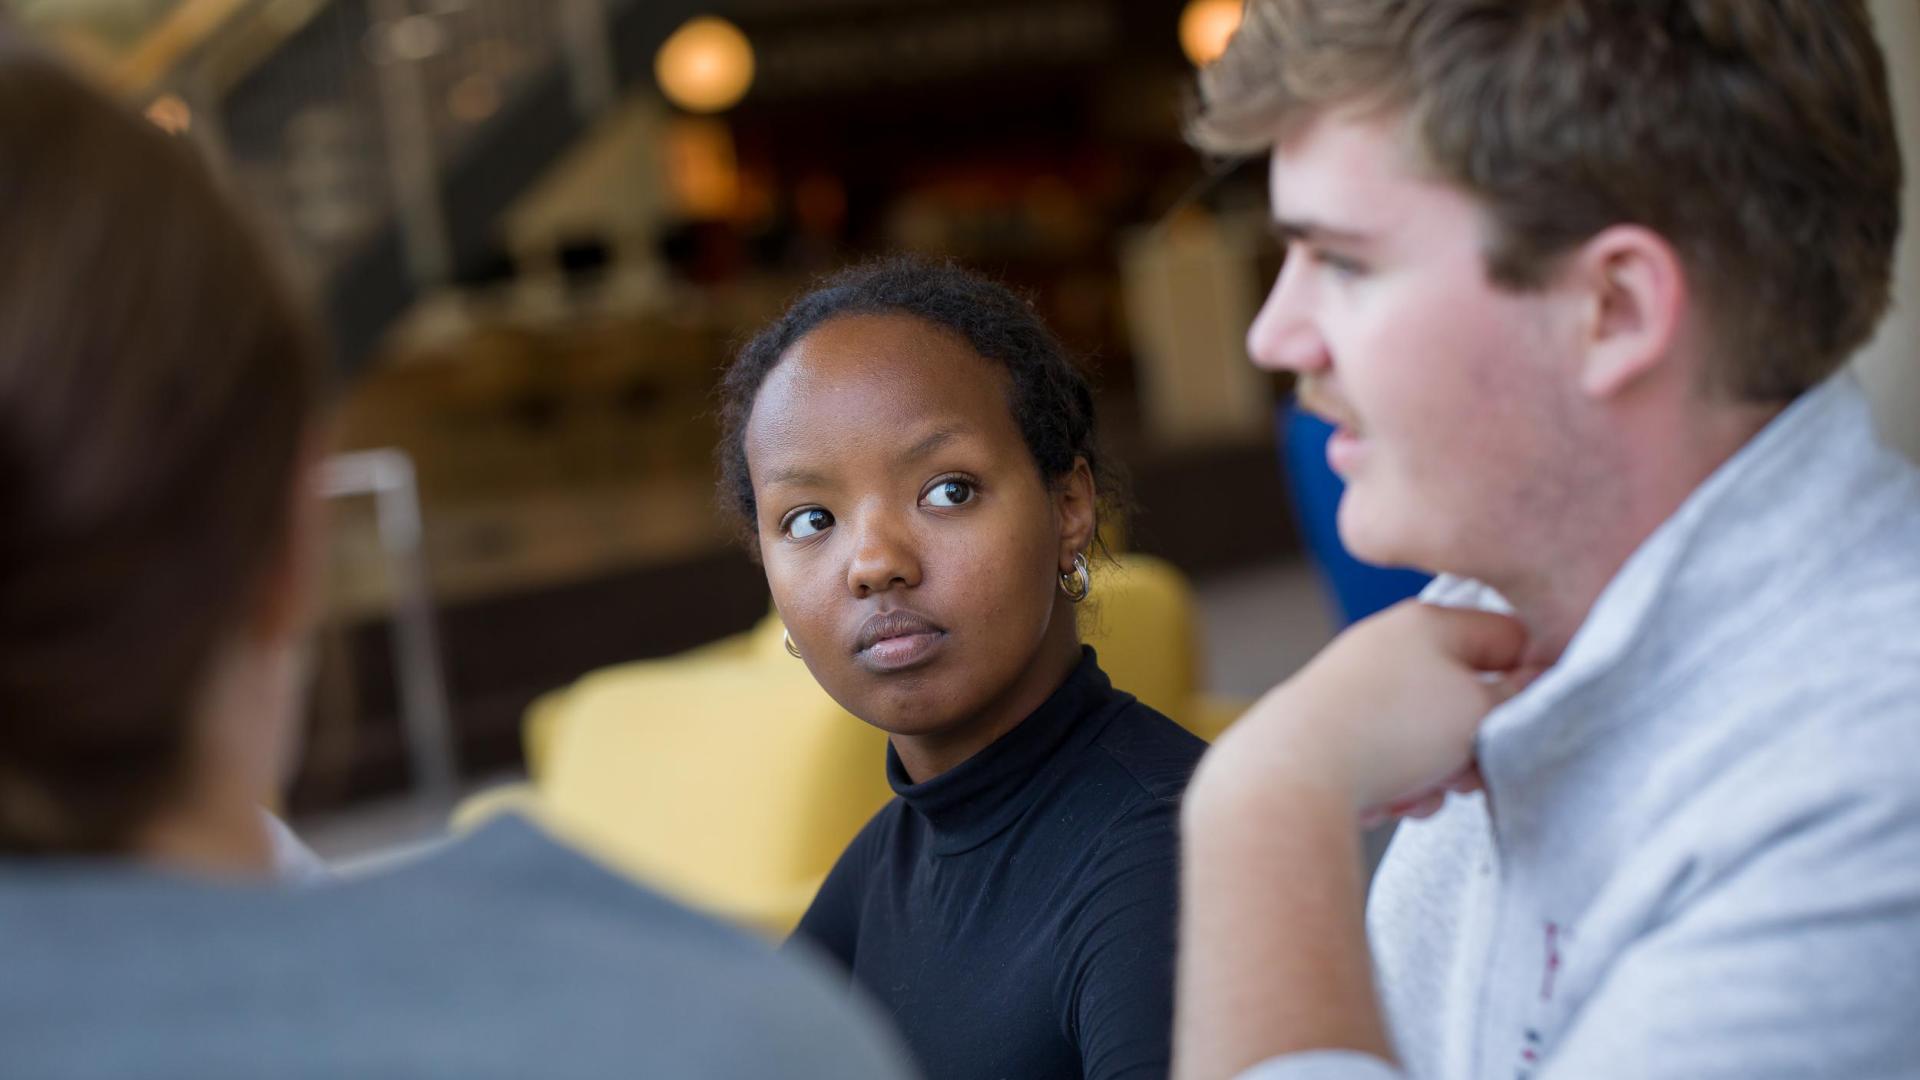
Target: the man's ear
pixel 1073 505
pixel 1635 301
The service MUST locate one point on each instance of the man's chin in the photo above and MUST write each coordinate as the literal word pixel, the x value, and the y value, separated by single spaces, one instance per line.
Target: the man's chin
pixel 1373 538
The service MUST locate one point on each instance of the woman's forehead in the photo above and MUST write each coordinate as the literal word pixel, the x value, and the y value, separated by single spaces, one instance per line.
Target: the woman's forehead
pixel 885 344
pixel 890 378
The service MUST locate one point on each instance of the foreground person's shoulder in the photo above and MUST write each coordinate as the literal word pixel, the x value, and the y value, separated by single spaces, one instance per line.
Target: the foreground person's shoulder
pixel 645 976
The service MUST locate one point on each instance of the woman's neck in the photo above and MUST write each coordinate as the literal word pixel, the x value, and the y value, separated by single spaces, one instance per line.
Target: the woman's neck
pixel 928 755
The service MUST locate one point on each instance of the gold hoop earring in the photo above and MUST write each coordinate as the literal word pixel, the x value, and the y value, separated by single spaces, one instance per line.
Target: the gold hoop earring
pixel 1078 582
pixel 786 638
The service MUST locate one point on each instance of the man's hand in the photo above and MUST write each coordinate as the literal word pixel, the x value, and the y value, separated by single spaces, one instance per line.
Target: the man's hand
pixel 1384 716
pixel 1273 950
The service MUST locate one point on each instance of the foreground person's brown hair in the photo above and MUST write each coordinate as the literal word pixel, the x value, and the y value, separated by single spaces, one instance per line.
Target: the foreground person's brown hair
pixel 1755 135
pixel 157 381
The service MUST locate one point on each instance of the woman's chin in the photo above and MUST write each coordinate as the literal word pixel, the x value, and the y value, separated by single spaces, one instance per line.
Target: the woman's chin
pixel 913 724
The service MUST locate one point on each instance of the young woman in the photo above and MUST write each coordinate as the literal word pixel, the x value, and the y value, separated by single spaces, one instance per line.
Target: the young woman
pixel 159 407
pixel 913 456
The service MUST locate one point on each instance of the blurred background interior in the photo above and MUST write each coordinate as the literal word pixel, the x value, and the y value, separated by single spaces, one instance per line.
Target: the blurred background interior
pixel 538 228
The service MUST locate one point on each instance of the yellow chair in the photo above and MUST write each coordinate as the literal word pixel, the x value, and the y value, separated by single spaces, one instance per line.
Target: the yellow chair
pixel 726 776
pixel 1142 621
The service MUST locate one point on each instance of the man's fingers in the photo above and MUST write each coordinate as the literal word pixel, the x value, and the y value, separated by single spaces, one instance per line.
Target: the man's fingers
pixel 1510 684
pixel 1427 807
pixel 1466 781
pixel 1417 806
pixel 1522 677
pixel 1481 640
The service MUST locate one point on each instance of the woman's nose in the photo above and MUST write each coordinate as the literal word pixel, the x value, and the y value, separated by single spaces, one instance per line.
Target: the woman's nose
pixel 883 558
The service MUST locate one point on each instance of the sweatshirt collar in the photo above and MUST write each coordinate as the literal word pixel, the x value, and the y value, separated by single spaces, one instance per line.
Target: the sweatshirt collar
pixel 1739 547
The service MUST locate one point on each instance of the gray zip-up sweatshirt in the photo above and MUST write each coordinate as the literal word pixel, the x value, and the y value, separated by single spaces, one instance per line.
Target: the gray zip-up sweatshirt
pixel 1698 854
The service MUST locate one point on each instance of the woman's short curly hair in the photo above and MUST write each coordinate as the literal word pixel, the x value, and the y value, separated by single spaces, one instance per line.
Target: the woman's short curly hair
pixel 1050 398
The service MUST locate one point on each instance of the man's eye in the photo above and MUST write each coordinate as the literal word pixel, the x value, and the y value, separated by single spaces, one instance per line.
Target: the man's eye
pixel 1338 264
pixel 950 493
pixel 804 523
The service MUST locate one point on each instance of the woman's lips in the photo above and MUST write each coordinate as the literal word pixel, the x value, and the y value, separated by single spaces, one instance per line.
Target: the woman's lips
pixel 897 640
pixel 900 653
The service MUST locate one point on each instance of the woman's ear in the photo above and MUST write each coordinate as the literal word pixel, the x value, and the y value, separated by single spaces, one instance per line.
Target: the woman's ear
pixel 1074 509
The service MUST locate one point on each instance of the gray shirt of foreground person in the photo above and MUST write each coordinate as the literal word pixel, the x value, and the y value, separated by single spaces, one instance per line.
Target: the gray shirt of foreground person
pixel 1698 853
pixel 503 955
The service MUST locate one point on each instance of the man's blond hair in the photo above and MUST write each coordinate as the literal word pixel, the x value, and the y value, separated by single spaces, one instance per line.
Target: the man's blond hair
pixel 1756 136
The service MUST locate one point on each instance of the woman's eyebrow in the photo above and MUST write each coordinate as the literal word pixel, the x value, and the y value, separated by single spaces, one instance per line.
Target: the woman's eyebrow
pixel 934 441
pixel 801 476
pixel 795 476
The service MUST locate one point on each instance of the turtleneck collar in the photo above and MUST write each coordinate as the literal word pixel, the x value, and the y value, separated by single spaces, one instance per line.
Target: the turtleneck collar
pixel 979 798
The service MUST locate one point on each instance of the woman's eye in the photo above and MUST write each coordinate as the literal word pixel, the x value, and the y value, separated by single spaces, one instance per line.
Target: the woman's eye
pixel 950 493
pixel 807 522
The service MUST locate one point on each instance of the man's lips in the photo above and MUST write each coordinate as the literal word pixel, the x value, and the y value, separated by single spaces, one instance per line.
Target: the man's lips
pixel 1310 397
pixel 1346 447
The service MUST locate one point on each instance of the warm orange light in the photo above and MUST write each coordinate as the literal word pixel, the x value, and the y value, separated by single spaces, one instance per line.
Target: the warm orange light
pixel 1205 28
pixel 170 114
pixel 705 66
pixel 703 172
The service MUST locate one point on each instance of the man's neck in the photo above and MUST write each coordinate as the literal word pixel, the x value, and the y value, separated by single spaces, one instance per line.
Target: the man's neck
pixel 1555 599
pixel 1554 608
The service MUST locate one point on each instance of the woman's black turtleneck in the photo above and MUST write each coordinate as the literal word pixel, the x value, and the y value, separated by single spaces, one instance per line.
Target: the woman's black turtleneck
pixel 1015 914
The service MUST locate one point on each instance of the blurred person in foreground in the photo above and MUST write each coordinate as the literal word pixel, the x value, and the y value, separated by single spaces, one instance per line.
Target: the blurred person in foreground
pixel 159 414
pixel 1577 279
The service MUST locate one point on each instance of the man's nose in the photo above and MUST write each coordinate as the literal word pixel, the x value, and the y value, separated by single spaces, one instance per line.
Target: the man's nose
pixel 1285 335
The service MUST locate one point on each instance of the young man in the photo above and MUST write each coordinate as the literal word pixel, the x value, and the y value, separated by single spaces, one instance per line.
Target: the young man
pixel 1576 279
